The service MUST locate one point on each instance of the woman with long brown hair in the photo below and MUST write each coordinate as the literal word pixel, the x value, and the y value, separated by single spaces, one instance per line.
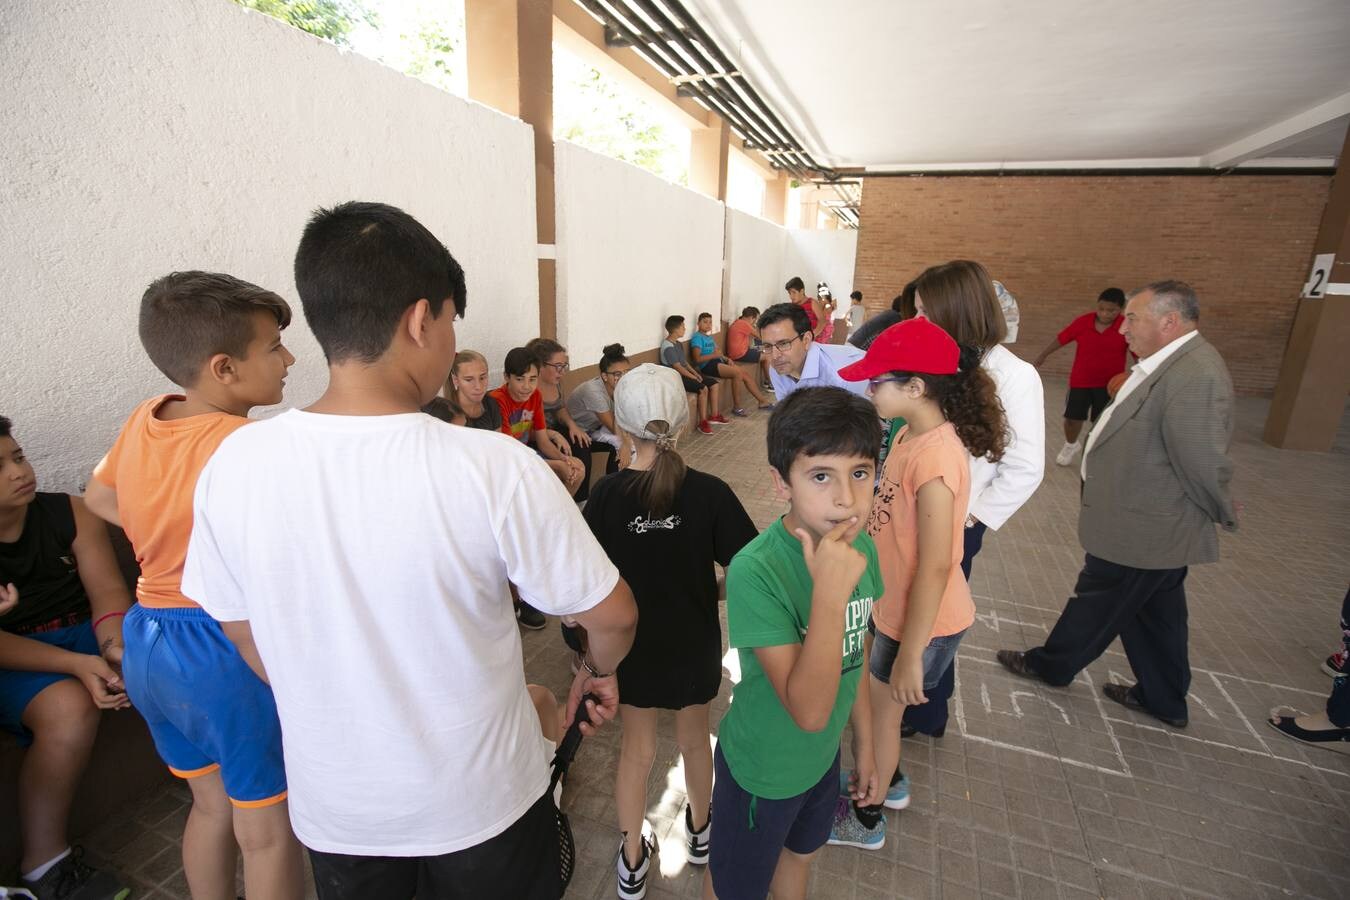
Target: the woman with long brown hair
pixel 959 297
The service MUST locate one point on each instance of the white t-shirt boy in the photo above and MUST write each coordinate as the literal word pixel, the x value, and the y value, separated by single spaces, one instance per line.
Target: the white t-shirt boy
pixel 371 556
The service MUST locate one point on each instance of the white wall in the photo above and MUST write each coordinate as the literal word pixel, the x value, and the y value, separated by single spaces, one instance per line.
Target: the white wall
pixel 762 256
pixel 756 250
pixel 171 134
pixel 632 249
pixel 823 256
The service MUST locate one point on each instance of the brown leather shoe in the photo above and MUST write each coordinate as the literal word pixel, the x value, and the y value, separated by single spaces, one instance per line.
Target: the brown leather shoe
pixel 1126 697
pixel 1015 661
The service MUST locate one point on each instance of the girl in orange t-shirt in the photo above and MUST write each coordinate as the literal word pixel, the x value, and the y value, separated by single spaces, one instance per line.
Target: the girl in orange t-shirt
pixel 917 372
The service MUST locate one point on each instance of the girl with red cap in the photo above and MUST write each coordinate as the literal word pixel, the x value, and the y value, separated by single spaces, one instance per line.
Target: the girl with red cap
pixel 918 373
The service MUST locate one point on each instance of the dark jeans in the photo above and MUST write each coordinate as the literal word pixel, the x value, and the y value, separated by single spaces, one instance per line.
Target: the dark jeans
pixel 931 717
pixel 521 862
pixel 1338 704
pixel 1146 609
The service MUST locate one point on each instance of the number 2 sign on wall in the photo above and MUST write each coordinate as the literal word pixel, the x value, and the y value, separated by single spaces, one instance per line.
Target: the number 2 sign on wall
pixel 1321 273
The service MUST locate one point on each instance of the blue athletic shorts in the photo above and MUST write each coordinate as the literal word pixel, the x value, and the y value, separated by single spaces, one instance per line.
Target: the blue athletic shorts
pixel 937 656
pixel 17 689
pixel 206 708
pixel 752 831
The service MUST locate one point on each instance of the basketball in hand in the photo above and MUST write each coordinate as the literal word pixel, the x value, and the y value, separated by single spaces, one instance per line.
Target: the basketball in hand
pixel 1113 386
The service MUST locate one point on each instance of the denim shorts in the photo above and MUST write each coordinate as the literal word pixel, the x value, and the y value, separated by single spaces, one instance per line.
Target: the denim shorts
pixel 937 656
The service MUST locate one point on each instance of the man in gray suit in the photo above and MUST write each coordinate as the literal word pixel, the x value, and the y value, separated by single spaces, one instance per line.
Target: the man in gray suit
pixel 1155 483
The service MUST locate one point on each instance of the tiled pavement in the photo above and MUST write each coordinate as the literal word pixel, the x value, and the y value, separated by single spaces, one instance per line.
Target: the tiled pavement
pixel 1035 791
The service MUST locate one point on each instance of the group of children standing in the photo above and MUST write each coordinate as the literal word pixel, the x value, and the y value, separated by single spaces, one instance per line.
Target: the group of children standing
pixel 343 574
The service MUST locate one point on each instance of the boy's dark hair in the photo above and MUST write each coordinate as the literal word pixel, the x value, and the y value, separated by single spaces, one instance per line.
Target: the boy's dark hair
pixel 188 317
pixel 543 348
pixel 360 266
pixel 519 361
pixel 1112 295
pixel 752 311
pixel 795 283
pixel 785 311
pixel 856 295
pixel 611 354
pixel 702 316
pixel 822 421
pixel 6 427
pixel 673 322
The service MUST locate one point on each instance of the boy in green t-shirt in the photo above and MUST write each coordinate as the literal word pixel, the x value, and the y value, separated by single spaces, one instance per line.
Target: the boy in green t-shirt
pixel 798 598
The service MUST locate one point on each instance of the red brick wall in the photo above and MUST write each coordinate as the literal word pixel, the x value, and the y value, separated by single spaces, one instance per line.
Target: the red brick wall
pixel 1243 242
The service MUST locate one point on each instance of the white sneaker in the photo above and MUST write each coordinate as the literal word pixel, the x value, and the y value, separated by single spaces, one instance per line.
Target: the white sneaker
pixel 632 882
pixel 1067 454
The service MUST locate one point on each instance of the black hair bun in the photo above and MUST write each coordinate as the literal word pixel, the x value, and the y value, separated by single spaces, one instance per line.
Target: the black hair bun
pixel 613 350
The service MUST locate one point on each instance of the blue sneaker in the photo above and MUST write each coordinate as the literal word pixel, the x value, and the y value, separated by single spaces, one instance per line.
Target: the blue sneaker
pixel 897 795
pixel 847 831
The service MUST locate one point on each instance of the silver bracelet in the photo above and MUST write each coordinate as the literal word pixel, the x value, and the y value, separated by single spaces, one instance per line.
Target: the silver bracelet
pixel 590 669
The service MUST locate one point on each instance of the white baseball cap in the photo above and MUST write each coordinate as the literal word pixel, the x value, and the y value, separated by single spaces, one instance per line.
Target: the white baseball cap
pixel 650 393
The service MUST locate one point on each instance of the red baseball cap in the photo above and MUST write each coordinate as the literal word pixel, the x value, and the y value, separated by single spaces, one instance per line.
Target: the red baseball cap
pixel 914 345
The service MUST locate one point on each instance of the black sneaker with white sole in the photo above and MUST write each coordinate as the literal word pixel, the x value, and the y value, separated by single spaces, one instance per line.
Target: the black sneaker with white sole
pixel 632 880
pixel 697 842
pixel 529 617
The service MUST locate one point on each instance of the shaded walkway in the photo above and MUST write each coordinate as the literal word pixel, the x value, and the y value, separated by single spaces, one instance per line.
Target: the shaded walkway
pixel 1035 791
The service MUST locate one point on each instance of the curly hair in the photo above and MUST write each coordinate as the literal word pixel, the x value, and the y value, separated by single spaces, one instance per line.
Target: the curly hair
pixel 969 400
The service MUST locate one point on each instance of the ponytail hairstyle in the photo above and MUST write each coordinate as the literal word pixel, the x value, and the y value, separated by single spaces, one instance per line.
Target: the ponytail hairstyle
pixel 543 348
pixel 612 354
pixel 656 487
pixel 970 402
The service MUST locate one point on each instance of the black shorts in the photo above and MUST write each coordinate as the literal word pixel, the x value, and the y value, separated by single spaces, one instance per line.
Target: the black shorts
pixel 1085 401
pixel 750 356
pixel 521 862
pixel 693 387
pixel 709 369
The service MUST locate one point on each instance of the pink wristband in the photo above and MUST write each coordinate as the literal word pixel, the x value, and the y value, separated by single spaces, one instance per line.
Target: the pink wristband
pixel 101 619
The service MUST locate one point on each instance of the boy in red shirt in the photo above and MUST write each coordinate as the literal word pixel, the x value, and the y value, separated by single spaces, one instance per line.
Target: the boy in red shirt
pixel 1100 356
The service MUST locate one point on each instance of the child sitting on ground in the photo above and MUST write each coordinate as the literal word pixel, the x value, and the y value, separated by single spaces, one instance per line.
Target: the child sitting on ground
pixel 522 412
pixel 664 526
pixel 716 365
pixel 213 720
pixel 798 598
pixel 918 373
pixel 705 387
pixel 62 599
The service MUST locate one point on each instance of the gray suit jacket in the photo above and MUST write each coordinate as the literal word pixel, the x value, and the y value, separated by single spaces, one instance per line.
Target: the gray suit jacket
pixel 1158 473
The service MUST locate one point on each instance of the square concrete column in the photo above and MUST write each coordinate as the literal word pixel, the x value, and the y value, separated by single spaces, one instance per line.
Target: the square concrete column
pixel 1309 399
pixel 776 197
pixel 709 152
pixel 510 55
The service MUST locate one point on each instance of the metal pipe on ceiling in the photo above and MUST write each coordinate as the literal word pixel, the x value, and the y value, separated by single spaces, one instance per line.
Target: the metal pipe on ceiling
pixel 701 69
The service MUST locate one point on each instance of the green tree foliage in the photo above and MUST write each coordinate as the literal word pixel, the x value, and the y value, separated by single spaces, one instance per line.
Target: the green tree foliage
pixel 331 20
pixel 592 110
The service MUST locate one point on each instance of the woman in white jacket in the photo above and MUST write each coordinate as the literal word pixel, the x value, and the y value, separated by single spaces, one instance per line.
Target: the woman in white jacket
pixel 959 297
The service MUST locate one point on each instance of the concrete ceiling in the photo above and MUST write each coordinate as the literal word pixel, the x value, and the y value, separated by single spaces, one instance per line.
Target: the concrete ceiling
pixel 928 84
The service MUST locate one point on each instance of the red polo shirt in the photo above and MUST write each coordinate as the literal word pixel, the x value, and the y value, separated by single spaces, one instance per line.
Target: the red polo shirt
pixel 1100 354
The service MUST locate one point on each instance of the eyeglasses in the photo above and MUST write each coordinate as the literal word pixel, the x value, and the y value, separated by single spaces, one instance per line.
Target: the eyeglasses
pixel 558 367
pixel 781 346
pixel 616 375
pixel 878 381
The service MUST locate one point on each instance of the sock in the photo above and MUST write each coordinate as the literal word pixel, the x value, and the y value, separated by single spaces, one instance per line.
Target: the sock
pixel 869 816
pixel 45 867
